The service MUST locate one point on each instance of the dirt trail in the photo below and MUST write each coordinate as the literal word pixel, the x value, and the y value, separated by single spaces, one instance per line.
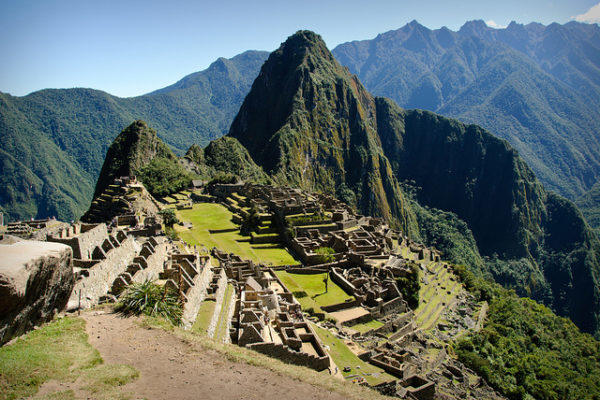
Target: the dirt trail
pixel 173 369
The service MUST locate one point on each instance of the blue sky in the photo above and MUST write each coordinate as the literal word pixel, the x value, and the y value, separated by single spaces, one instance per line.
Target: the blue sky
pixel 129 48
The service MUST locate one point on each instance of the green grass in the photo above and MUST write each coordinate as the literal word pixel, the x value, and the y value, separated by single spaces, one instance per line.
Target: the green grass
pixel 58 351
pixel 211 216
pixel 204 316
pixel 367 326
pixel 342 357
pixel 313 286
pixel 221 328
pixel 426 318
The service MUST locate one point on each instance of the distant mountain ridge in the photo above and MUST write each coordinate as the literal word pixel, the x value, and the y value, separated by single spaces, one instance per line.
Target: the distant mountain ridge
pixel 536 86
pixel 54 141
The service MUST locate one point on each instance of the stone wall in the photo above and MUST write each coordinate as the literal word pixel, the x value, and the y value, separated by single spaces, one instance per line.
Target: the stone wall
pixel 102 275
pixel 36 279
pixel 155 264
pixel 83 243
pixel 222 285
pixel 342 282
pixel 196 296
pixel 285 354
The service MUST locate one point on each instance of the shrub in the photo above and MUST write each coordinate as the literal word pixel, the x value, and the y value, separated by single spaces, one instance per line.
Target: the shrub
pixel 151 299
pixel 327 254
pixel 410 285
pixel 224 178
pixel 169 217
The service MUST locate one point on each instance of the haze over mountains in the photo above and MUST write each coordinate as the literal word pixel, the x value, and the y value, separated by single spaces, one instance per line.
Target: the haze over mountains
pixel 536 86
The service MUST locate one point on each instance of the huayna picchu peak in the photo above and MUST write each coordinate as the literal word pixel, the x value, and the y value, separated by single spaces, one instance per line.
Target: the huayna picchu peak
pixel 330 244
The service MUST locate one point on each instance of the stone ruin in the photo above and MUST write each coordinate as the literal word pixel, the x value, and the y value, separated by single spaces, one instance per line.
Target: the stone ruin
pixel 125 198
pixel 267 318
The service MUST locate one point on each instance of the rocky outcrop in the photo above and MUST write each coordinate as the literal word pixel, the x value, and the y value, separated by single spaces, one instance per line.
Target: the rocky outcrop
pixel 36 279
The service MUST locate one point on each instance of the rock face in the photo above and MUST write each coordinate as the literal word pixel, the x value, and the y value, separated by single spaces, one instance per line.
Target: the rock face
pixel 36 279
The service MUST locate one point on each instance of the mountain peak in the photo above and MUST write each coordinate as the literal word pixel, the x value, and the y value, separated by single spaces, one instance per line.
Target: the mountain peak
pixel 131 149
pixel 475 27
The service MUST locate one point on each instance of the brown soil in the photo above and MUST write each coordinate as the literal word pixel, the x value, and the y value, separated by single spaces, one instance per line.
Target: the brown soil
pixel 171 368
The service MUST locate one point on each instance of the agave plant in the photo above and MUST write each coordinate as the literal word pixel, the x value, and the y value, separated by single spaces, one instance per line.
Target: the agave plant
pixel 148 298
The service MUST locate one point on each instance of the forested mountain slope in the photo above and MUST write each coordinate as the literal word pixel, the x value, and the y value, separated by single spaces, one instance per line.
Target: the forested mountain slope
pixel 536 86
pixel 54 141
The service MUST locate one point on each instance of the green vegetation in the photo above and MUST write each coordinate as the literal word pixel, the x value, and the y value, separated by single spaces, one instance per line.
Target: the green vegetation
pixel 74 127
pixel 589 204
pixel 342 357
pixel 205 314
pixel 151 299
pixel 251 222
pixel 223 178
pixel 58 351
pixel 326 254
pixel 212 227
pixel 163 177
pixel 169 217
pixel 507 92
pixel 309 289
pixel 367 326
pixel 525 351
pixel 442 288
pixel 221 329
pixel 410 285
pixel 308 219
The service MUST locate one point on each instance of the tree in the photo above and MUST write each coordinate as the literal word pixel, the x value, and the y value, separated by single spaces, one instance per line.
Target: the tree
pixel 169 217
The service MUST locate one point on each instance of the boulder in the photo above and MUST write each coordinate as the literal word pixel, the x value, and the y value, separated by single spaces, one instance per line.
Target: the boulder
pixel 36 279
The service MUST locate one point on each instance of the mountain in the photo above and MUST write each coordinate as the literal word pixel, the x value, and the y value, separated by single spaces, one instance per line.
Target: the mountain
pixel 308 122
pixel 589 204
pixel 74 127
pixel 536 86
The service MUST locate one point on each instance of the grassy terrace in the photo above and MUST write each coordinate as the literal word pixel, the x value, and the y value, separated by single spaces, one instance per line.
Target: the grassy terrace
pixel 59 351
pixel 205 313
pixel 313 286
pixel 343 357
pixel 434 295
pixel 367 326
pixel 221 328
pixel 212 227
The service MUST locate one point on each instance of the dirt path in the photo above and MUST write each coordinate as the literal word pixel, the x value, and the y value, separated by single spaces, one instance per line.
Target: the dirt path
pixel 173 369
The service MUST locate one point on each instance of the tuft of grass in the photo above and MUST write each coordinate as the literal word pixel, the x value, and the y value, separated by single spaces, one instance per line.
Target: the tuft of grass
pixel 151 299
pixel 106 377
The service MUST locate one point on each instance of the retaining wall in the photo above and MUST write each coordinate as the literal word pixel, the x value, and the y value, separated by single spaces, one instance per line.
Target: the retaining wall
pixel 196 296
pixel 102 275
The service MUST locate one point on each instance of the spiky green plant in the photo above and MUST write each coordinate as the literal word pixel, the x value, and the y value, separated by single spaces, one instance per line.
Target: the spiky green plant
pixel 151 299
